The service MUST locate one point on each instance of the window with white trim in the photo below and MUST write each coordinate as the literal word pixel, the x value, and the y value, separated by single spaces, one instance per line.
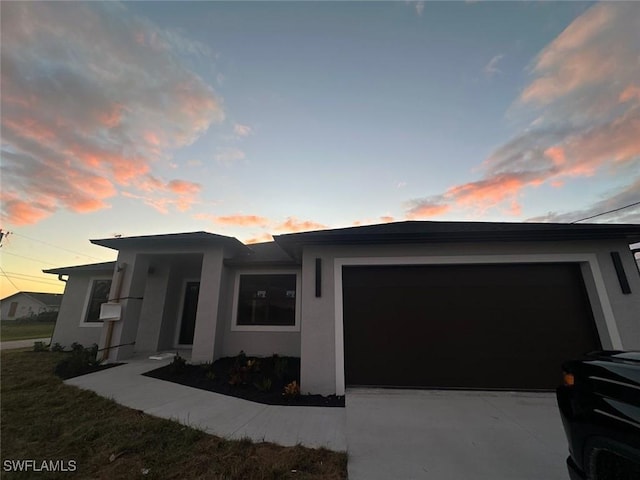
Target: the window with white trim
pixel 266 300
pixel 99 294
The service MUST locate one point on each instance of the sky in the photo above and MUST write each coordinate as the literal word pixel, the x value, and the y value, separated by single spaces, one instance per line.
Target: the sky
pixel 249 119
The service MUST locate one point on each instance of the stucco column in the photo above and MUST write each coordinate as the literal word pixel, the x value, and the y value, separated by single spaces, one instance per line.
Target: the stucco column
pixel 317 327
pixel 131 298
pixel 151 313
pixel 208 302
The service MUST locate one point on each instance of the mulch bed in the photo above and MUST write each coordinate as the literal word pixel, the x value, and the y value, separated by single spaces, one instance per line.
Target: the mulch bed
pixel 260 380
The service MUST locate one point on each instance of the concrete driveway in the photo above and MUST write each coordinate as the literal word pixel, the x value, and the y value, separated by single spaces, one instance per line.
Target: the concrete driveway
pixel 450 435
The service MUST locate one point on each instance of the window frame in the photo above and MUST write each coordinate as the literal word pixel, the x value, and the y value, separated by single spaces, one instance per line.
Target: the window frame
pixel 87 301
pixel 265 328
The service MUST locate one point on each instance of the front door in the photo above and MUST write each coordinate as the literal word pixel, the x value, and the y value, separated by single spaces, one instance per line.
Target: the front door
pixel 189 309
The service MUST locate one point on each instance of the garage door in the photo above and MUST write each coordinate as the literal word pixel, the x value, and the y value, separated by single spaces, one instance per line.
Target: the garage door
pixel 466 326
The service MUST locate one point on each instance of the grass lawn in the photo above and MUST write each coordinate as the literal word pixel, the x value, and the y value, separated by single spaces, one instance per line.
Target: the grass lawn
pixel 44 419
pixel 15 330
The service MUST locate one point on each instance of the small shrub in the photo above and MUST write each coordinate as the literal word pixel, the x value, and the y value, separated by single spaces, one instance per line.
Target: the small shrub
pixel 291 390
pixel 264 385
pixel 279 366
pixel 56 347
pixel 178 365
pixel 46 317
pixel 211 375
pixel 243 369
pixel 81 360
pixel 40 347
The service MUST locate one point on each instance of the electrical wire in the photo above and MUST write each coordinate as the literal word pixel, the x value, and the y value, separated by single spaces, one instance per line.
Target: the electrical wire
pixel 55 246
pixel 7 277
pixel 29 258
pixel 32 281
pixel 24 275
pixel 604 213
pixel 31 278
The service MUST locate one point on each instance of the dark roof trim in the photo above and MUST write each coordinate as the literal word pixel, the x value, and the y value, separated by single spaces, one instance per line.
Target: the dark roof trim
pixel 171 240
pixel 431 232
pixel 91 268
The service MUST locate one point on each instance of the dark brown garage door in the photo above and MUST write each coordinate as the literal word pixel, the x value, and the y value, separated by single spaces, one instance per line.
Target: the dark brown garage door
pixel 467 326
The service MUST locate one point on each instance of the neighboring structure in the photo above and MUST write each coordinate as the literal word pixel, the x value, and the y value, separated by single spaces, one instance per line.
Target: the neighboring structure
pixel 28 304
pixel 407 304
pixel 87 287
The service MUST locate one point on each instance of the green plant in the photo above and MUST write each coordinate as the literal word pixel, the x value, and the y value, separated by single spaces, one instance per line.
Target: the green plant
pixel 56 347
pixel 80 360
pixel 40 347
pixel 264 385
pixel 178 364
pixel 242 369
pixel 291 390
pixel 279 366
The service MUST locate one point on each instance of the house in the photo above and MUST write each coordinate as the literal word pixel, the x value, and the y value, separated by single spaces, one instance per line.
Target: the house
pixel 28 304
pixel 406 304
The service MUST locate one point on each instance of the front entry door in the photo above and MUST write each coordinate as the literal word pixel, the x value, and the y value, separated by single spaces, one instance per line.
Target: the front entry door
pixel 189 309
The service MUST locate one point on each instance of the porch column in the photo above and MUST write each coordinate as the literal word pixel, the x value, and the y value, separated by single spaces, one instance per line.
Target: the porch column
pixel 208 302
pixel 151 313
pixel 131 294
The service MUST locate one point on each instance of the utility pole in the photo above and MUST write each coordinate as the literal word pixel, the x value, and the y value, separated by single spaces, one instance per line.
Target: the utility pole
pixel 3 235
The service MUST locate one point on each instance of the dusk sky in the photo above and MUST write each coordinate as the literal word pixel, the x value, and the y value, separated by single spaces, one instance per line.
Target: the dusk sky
pixel 255 118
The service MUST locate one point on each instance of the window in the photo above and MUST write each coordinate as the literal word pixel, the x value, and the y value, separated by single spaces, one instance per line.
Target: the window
pixel 99 295
pixel 12 308
pixel 266 300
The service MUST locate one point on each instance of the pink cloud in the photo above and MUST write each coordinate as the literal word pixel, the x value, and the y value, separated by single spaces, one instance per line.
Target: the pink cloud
pixel 242 130
pixel 241 220
pixel 23 212
pixel 183 187
pixel 585 123
pixel 425 209
pixel 264 237
pixel 292 224
pixel 76 130
pixel 632 92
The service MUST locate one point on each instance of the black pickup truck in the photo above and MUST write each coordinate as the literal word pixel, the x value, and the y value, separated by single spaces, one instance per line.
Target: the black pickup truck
pixel 600 409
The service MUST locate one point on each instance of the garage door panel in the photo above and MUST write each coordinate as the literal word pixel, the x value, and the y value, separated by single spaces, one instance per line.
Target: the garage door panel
pixel 468 326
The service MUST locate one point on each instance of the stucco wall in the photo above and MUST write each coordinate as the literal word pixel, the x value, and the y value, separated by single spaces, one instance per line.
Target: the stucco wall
pixel 70 326
pixel 318 340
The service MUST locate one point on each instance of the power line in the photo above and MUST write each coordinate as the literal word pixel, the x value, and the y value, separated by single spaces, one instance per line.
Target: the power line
pixel 55 246
pixel 9 277
pixel 604 213
pixel 29 258
pixel 30 278
pixel 25 275
pixel 11 282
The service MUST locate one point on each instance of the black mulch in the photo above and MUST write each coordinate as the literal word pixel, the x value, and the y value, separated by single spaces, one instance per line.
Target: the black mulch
pixel 260 380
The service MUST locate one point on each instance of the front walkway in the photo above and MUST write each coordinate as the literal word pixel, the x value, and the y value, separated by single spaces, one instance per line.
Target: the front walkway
pixel 220 415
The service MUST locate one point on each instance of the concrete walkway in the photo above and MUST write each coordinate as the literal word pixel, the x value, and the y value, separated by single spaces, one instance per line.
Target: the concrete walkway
pixel 454 435
pixel 217 414
pixel 391 434
pixel 15 344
